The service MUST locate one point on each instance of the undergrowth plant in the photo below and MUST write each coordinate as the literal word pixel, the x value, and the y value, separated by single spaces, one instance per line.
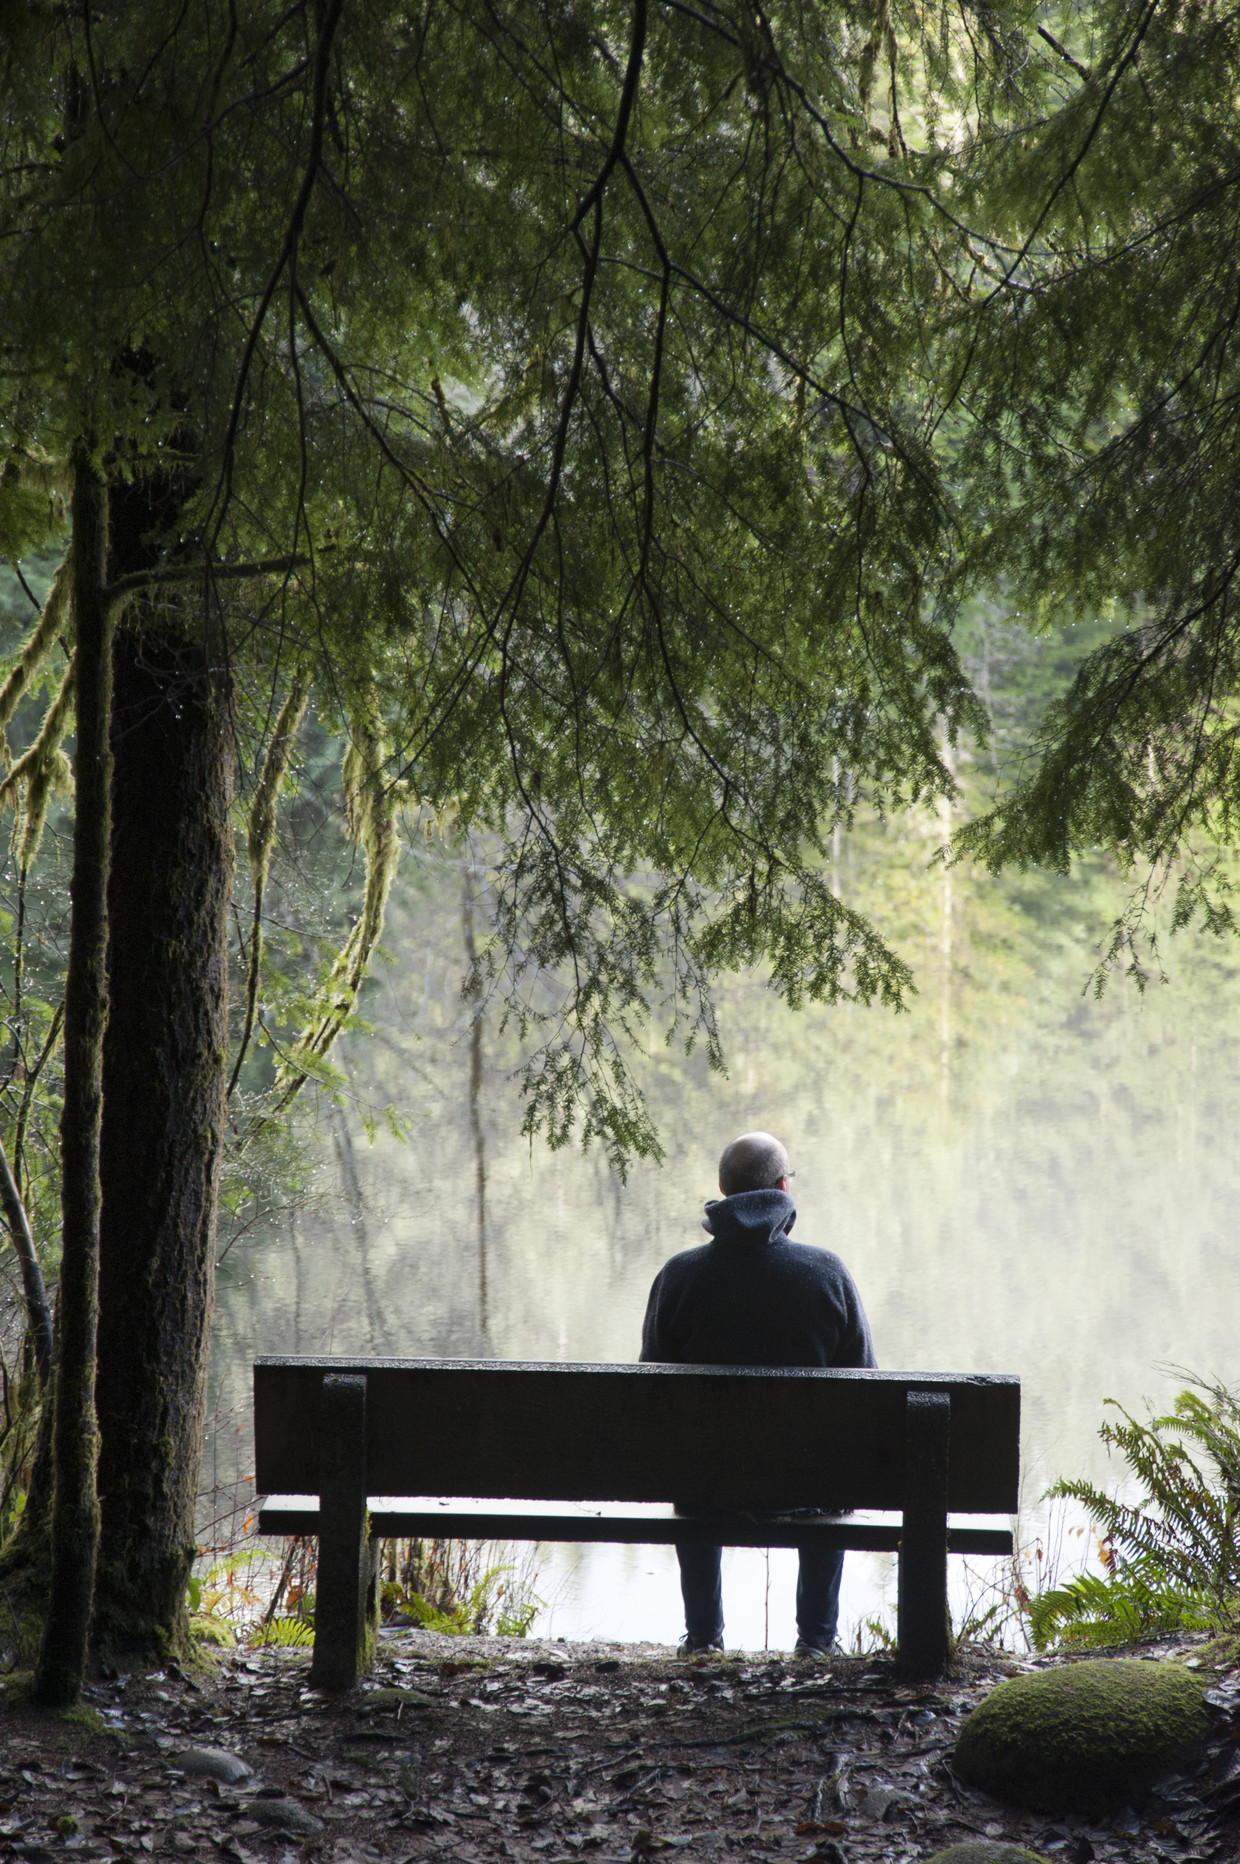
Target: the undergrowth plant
pixel 1129 1602
pixel 265 1594
pixel 1171 1560
pixel 459 1587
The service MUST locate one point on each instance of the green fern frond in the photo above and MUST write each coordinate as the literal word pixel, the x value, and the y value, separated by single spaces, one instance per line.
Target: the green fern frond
pixel 1135 1602
pixel 283 1634
pixel 1176 1552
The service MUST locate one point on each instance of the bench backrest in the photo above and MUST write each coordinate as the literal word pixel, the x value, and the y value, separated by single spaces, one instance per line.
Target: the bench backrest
pixel 639 1433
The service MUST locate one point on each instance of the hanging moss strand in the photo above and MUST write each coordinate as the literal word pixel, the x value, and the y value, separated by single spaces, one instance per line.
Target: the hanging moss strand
pixel 39 642
pixel 43 769
pixel 262 839
pixel 370 807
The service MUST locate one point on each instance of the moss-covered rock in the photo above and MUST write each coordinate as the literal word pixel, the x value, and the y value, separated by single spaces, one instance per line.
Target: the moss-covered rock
pixel 1083 1737
pixel 985 1851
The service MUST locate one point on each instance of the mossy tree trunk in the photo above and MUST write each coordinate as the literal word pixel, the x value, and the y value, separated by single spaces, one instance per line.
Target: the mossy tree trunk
pixel 135 1336
pixel 75 1511
pixel 164 1074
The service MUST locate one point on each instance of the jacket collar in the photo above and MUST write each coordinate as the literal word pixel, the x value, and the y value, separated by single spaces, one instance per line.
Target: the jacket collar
pixel 750 1217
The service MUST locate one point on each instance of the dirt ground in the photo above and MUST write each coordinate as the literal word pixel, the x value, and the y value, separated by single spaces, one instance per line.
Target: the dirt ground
pixel 480 1748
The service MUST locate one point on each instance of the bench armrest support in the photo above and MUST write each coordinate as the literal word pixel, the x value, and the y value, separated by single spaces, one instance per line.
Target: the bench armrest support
pixel 345 1612
pixel 924 1625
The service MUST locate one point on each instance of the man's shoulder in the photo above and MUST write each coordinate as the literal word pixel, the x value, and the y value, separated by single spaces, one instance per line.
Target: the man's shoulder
pixel 686 1260
pixel 810 1260
pixel 823 1263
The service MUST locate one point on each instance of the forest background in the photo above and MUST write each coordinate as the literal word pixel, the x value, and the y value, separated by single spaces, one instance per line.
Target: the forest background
pixel 612 450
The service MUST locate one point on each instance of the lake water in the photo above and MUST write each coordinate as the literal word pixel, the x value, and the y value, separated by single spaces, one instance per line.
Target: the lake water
pixel 1022 1179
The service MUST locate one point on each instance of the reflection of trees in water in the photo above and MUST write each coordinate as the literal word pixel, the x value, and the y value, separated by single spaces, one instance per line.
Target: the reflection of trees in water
pixel 475 1095
pixel 1059 1217
pixel 355 1202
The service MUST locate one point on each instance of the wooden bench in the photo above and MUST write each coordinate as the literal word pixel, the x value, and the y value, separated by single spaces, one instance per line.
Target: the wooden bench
pixel 338 1442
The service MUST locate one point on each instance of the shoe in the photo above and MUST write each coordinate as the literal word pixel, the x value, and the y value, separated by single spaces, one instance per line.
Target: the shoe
pixel 819 1651
pixel 688 1648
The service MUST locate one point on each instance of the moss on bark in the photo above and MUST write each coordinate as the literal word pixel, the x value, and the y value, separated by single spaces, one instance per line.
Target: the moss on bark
pixel 75 1508
pixel 164 1080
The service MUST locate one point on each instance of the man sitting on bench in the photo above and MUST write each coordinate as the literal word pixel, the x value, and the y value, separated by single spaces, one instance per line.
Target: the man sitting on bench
pixel 751 1297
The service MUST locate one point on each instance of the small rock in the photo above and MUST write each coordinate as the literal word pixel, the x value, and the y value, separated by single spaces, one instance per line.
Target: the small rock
pixel 284 1815
pixel 886 1802
pixel 213 1764
pixel 376 1700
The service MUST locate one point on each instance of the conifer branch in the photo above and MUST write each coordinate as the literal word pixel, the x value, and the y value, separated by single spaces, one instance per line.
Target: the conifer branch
pixel 139 581
pixel 1072 167
pixel 38 767
pixel 329 20
pixel 32 1077
pixel 1064 53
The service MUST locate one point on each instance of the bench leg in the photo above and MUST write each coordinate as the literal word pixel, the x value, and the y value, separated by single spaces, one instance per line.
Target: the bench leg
pixel 345 1593
pixel 924 1627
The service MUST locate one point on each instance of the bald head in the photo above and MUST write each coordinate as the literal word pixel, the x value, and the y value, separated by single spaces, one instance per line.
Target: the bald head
pixel 754 1162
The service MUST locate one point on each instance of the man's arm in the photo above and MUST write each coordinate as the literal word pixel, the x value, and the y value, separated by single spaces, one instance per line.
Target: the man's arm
pixel 652 1345
pixel 856 1348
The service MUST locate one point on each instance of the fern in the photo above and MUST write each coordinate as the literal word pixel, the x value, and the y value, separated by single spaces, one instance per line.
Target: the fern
pixel 1130 1603
pixel 283 1633
pixel 1175 1563
pixel 1188 1463
pixel 474 1612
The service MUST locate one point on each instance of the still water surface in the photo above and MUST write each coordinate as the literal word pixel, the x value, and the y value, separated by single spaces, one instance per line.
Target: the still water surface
pixel 1022 1179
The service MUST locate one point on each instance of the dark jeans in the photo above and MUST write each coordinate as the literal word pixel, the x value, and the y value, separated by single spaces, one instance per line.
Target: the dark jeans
pixel 818 1593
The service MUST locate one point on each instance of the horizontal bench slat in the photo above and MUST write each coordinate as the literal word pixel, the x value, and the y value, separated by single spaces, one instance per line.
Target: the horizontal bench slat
pixel 634 1530
pixel 640 1433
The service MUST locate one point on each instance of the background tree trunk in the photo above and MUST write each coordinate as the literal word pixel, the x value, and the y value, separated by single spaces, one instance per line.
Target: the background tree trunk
pixel 38 1312
pixel 164 1075
pixel 75 1510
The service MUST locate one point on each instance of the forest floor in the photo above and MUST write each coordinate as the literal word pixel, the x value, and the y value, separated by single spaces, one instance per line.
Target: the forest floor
pixel 486 1748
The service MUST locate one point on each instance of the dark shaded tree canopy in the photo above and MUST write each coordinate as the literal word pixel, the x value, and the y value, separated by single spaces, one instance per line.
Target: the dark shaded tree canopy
pixel 570 365
pixel 1100 465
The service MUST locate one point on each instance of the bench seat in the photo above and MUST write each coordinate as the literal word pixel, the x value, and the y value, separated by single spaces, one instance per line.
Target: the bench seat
pixel 357 1450
pixel 438 1518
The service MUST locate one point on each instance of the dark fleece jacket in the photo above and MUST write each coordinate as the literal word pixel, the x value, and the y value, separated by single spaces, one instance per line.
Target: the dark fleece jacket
pixel 751 1297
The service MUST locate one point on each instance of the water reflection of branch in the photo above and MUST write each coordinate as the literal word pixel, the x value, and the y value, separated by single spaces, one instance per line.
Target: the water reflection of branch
pixel 475 1089
pixel 259 1213
pixel 330 1081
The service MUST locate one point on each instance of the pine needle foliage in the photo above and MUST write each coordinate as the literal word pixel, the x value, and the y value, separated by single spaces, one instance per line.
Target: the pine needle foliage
pixel 1098 362
pixel 560 372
